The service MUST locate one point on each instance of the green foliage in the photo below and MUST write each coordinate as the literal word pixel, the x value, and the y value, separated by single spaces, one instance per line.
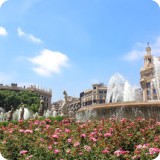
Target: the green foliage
pixel 47 139
pixel 12 98
pixel 57 118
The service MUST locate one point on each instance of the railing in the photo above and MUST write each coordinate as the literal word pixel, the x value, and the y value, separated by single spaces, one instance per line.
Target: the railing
pixel 11 88
pixel 45 91
pixel 33 88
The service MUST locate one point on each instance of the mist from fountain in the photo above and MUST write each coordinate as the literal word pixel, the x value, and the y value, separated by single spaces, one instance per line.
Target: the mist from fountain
pixel 119 90
pixel 115 88
pixel 27 114
pixel 49 113
pixel 1 114
pixel 156 80
pixel 129 93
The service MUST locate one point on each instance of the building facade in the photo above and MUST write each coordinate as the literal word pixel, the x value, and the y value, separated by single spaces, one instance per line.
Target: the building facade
pixel 72 104
pixel 147 77
pixel 56 106
pixel 46 95
pixel 96 95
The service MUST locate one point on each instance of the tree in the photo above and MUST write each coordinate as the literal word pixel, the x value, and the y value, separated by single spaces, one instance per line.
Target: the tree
pixel 12 98
pixel 31 99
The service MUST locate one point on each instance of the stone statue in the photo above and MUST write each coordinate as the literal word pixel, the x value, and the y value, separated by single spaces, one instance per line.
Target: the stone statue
pixel 64 108
pixel 65 96
pixel 22 112
pixel 35 115
pixel 10 115
pixel 41 108
pixel 71 114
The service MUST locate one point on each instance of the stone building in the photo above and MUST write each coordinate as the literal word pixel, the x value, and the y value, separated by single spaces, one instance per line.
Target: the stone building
pixel 43 93
pixel 72 104
pixel 56 106
pixel 147 77
pixel 96 95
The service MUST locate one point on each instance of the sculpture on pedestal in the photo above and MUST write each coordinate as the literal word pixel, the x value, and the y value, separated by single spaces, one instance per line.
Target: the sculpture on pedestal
pixel 64 108
pixel 35 115
pixel 41 107
pixel 22 112
pixel 10 114
pixel 71 114
pixel 69 105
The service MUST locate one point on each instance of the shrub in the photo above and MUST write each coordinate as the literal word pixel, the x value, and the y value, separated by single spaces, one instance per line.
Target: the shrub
pixel 54 138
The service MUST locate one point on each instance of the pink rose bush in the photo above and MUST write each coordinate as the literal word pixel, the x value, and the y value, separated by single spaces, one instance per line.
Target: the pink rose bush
pixel 23 152
pixel 106 139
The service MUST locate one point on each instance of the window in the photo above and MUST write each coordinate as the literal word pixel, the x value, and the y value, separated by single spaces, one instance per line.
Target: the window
pixel 148 92
pixel 94 87
pixel 148 84
pixel 82 94
pixel 101 97
pixel 154 91
pixel 100 92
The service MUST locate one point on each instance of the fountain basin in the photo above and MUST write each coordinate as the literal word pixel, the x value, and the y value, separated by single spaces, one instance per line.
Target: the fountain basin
pixel 129 110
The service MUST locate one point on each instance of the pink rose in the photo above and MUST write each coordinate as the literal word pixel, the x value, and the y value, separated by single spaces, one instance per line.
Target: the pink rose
pixel 56 151
pixel 154 150
pixel 28 131
pixel 105 151
pixel 69 140
pixel 49 147
pixel 87 148
pixel 67 130
pixel 55 136
pixel 83 135
pixel 23 152
pixel 76 144
pixel 107 134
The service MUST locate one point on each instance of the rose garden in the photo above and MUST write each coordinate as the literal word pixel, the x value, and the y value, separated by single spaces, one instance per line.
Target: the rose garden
pixel 63 139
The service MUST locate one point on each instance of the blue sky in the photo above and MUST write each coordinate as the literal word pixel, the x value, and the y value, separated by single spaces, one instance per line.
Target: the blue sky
pixel 71 44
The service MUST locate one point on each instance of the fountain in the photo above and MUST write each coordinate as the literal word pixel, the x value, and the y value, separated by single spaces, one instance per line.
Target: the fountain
pixel 115 88
pixel 49 113
pixel 1 114
pixel 119 90
pixel 123 101
pixel 156 81
pixel 27 114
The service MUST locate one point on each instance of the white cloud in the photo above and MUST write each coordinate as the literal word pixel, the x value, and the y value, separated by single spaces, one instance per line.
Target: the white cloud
pixel 2 2
pixel 3 31
pixel 49 62
pixel 29 37
pixel 134 55
pixel 34 39
pixel 158 2
pixel 20 32
pixel 139 50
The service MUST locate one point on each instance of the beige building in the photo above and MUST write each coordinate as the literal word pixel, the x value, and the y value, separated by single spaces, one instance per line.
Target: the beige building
pixel 147 77
pixel 96 95
pixel 56 106
pixel 43 93
pixel 73 104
